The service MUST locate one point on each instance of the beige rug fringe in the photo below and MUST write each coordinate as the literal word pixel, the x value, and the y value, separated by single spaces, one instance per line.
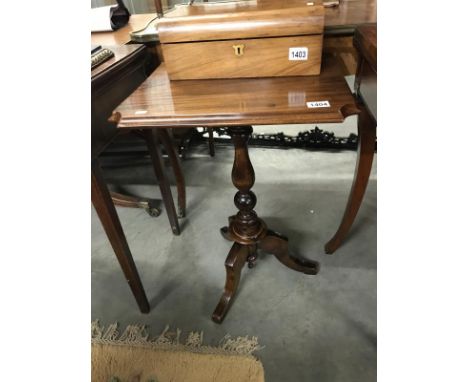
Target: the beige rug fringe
pixel 137 335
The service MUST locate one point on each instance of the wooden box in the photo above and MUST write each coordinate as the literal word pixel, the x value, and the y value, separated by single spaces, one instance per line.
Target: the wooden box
pixel 242 39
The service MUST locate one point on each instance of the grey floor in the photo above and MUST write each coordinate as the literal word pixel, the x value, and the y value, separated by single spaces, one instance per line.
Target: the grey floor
pixel 314 328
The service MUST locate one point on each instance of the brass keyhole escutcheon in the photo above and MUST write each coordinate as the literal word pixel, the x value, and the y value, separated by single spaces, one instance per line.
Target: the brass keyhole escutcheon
pixel 239 49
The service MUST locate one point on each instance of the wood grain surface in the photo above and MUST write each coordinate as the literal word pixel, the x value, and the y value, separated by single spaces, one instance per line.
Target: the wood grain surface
pixel 341 20
pixel 365 41
pixel 248 19
pixel 159 102
pixel 111 83
pixel 351 13
pixel 265 57
pixel 121 54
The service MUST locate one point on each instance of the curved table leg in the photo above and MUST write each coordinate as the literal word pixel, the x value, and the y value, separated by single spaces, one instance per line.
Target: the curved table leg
pixel 179 175
pixel 110 221
pixel 278 245
pixel 234 263
pixel 166 193
pixel 365 156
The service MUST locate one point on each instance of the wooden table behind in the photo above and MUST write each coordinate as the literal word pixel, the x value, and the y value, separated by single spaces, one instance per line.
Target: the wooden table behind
pixel 122 35
pixel 111 83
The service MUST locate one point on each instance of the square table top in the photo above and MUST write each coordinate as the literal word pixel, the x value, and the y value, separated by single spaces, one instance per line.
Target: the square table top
pixel 159 102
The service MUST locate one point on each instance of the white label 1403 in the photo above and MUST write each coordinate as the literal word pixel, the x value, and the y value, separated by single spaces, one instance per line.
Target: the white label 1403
pixel 298 54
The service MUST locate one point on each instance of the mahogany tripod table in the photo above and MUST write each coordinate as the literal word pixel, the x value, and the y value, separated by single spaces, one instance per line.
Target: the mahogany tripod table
pixel 239 104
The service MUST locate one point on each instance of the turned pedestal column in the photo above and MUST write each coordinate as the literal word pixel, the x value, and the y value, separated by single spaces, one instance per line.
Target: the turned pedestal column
pixel 247 230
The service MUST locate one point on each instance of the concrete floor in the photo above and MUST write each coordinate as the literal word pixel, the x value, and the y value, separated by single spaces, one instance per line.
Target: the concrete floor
pixel 314 328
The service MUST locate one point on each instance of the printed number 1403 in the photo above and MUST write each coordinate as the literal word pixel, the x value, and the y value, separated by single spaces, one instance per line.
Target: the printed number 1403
pixel 298 54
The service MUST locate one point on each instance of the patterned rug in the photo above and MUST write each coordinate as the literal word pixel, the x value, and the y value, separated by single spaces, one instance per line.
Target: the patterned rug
pixel 131 356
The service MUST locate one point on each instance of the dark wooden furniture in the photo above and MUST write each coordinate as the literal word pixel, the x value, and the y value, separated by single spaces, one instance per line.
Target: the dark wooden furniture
pixel 340 24
pixel 344 19
pixel 111 83
pixel 239 104
pixel 130 73
pixel 365 86
pixel 116 40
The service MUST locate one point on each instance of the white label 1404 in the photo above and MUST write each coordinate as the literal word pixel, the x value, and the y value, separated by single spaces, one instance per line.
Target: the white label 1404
pixel 298 54
pixel 313 105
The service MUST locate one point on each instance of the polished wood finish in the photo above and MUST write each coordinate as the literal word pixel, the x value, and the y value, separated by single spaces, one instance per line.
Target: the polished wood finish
pixel 149 205
pixel 107 214
pixel 167 141
pixel 111 83
pixel 228 40
pixel 239 103
pixel 366 93
pixel 350 14
pixel 245 19
pixel 152 141
pixel 365 41
pixel 365 155
pixel 343 18
pixel 365 85
pixel 234 263
pixel 339 21
pixel 247 230
pixel 217 59
pixel 176 166
pixel 344 51
pixel 159 102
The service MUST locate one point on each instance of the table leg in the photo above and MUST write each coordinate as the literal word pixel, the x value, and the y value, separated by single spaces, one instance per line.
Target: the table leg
pixel 149 205
pixel 179 175
pixel 155 153
pixel 110 221
pixel 366 146
pixel 247 230
pixel 211 142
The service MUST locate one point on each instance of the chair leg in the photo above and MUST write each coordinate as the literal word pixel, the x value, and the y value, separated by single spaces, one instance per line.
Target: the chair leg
pixel 175 163
pixel 365 156
pixel 155 153
pixel 211 142
pixel 105 209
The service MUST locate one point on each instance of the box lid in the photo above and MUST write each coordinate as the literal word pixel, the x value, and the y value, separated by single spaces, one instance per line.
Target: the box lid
pixel 241 19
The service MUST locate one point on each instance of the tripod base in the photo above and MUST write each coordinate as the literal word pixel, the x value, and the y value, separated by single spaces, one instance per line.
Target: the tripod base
pixel 241 253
